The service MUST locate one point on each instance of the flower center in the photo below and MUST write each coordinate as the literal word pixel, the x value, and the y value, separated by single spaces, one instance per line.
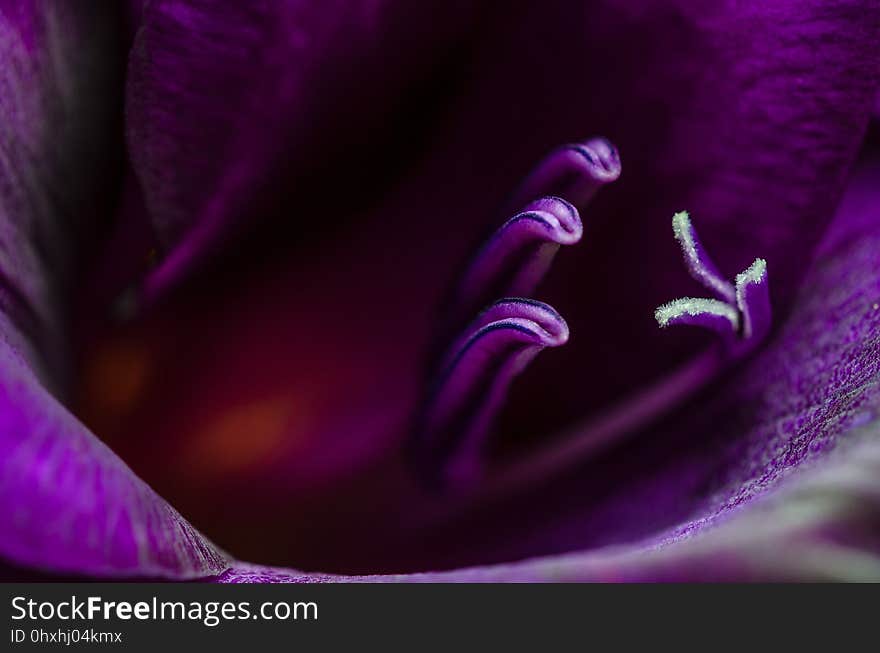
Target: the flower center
pixel 470 379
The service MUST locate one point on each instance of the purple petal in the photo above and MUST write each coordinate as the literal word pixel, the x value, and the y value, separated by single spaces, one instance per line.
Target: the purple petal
pixel 69 504
pixel 817 527
pixel 229 105
pixel 795 535
pixel 57 68
pixel 73 505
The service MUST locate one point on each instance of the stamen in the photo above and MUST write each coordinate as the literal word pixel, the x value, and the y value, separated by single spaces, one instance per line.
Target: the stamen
pixel 515 258
pixel 698 262
pixel 473 373
pixel 474 377
pixel 574 171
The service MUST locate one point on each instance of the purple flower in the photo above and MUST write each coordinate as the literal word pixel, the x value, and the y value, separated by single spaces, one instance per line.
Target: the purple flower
pixel 294 264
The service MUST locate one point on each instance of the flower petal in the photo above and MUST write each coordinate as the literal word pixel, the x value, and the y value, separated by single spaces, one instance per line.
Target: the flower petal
pixel 72 505
pixel 58 78
pixel 794 535
pixel 230 104
pixel 69 504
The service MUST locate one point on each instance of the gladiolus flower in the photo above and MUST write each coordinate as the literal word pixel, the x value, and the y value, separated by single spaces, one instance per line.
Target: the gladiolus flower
pixel 358 289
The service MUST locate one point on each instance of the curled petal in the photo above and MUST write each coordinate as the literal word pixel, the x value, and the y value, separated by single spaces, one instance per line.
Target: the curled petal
pixel 472 384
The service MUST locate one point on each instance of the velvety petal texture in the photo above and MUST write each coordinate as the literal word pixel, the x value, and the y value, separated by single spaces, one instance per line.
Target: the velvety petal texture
pixel 229 103
pixel 817 529
pixel 69 504
pixel 58 68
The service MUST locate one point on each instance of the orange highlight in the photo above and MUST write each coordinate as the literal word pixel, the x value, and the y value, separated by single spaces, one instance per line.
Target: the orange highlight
pixel 241 437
